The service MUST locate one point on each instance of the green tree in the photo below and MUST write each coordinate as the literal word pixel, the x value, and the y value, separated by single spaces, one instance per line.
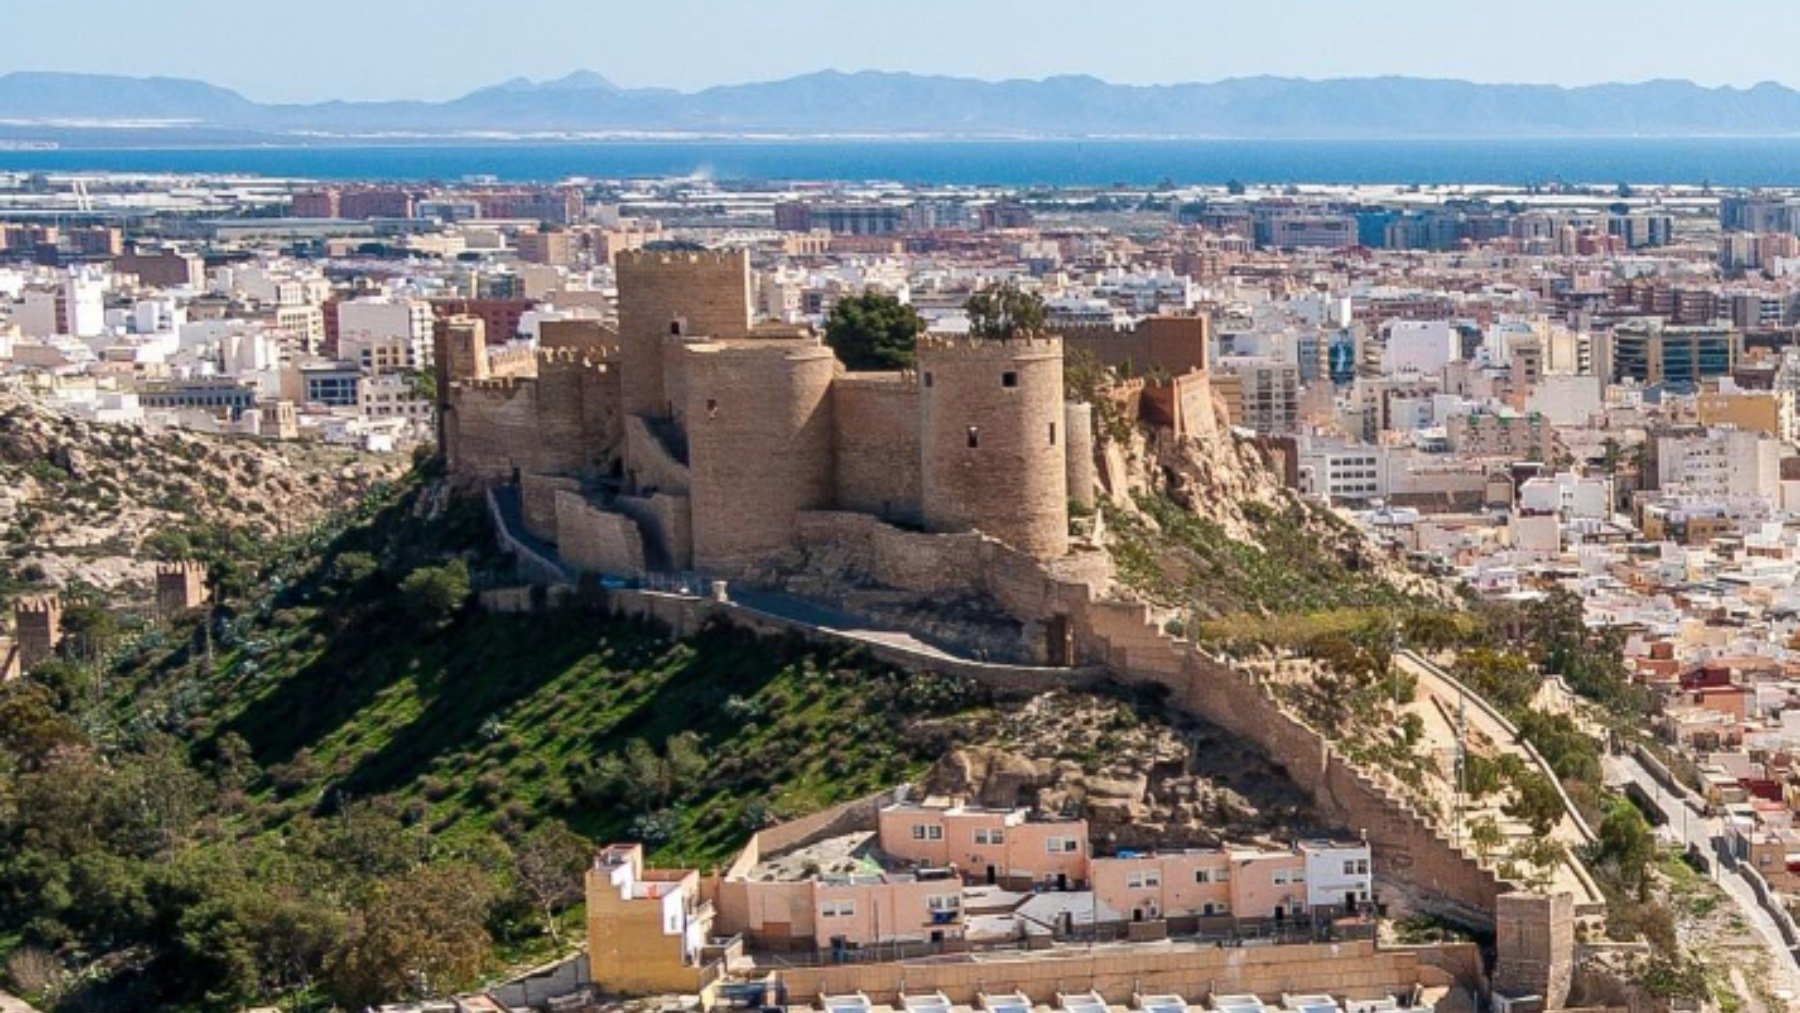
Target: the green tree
pixel 420 935
pixel 434 595
pixel 873 331
pixel 1004 312
pixel 550 862
pixel 1626 844
pixel 1485 836
pixel 1536 801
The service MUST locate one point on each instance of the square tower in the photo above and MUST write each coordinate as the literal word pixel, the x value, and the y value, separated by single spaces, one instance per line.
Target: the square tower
pixel 180 587
pixel 39 624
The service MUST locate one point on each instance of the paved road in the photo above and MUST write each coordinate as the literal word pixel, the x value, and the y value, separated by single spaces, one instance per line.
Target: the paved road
pixel 1699 831
pixel 11 1004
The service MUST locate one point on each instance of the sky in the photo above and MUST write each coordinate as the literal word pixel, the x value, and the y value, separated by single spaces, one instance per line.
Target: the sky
pixel 314 50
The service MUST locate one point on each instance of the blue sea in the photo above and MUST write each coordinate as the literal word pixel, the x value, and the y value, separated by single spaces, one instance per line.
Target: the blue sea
pixel 1730 162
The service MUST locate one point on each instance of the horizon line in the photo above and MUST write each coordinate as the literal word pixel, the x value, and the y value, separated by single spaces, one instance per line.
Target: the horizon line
pixel 539 82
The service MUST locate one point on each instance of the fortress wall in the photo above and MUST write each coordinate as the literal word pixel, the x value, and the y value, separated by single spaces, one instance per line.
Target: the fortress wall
pixel 492 430
pixel 1083 476
pixel 563 443
pixel 1182 404
pixel 875 423
pixel 992 441
pixel 707 291
pixel 595 540
pixel 537 502
pixel 651 467
pixel 1434 875
pixel 759 426
pixel 1173 344
pixel 602 422
pixel 1355 969
pixel 592 337
pixel 666 520
pixel 906 560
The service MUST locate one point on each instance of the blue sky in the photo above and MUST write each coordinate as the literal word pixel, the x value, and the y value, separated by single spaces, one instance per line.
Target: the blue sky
pixel 306 50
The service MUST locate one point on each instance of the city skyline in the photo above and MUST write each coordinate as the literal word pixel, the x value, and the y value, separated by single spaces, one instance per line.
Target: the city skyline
pixel 413 50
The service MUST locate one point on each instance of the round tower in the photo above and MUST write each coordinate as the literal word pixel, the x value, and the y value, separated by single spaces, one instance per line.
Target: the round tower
pixel 759 427
pixel 993 440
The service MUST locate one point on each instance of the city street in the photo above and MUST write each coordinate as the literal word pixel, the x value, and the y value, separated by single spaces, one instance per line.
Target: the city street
pixel 1688 828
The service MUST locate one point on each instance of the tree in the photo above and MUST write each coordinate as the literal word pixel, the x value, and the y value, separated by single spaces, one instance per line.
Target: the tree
pixel 420 934
pixel 1537 802
pixel 550 862
pixel 1005 311
pixel 1485 835
pixel 89 630
pixel 1626 843
pixel 433 595
pixel 873 331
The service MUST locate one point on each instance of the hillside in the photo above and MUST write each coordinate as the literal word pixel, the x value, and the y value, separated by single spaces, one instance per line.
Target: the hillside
pixel 96 506
pixel 247 809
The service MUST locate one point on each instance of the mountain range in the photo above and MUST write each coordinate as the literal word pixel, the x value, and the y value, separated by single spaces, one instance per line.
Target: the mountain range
pixel 872 103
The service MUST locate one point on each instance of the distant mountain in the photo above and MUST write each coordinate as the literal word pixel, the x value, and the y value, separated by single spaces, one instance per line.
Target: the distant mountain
pixel 878 103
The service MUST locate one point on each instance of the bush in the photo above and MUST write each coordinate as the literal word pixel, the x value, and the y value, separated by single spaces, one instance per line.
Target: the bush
pixel 433 595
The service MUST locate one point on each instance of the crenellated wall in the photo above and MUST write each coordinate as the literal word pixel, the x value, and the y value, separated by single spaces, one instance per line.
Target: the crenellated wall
pixel 698 292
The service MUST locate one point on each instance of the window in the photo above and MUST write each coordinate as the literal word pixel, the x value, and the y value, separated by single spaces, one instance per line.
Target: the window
pixel 1061 845
pixel 946 902
pixel 927 379
pixel 927 832
pixel 974 437
pixel 1140 880
pixel 985 835
pixel 1362 867
pixel 1215 908
pixel 1053 434
pixel 1009 379
pixel 837 908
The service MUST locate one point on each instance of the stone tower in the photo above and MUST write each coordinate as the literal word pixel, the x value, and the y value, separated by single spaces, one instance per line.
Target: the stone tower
pixel 674 292
pixel 1534 945
pixel 760 446
pixel 460 355
pixel 39 622
pixel 180 587
pixel 992 440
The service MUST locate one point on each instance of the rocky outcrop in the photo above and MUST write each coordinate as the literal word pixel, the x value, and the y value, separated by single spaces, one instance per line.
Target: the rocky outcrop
pixel 98 504
pixel 1142 779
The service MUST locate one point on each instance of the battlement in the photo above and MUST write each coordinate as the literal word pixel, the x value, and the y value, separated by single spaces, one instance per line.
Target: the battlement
pixel 988 349
pixel 48 604
pixel 641 257
pixel 511 357
pixel 181 568
pixel 573 356
pixel 498 385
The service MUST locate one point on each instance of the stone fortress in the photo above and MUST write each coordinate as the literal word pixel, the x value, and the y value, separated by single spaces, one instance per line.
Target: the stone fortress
pixel 695 440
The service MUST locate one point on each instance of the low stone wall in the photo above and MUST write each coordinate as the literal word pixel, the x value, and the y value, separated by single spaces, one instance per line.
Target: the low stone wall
pixel 595 540
pixel 1353 969
pixel 684 615
pixel 537 502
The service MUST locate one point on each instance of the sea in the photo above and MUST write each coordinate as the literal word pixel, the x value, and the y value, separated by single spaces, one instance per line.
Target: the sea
pixel 1510 162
